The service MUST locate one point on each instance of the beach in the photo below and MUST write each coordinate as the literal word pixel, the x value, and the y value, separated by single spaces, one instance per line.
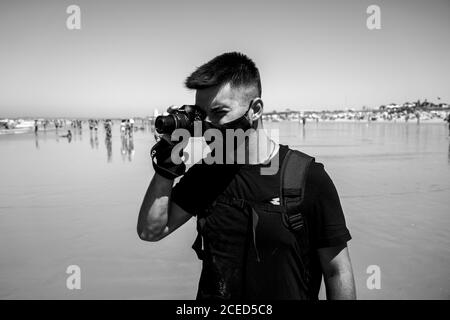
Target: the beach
pixel 76 203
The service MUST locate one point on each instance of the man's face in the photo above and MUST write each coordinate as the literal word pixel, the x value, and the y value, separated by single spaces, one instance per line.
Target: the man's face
pixel 223 104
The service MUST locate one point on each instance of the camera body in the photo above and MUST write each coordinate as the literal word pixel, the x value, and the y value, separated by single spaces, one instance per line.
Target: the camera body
pixel 181 118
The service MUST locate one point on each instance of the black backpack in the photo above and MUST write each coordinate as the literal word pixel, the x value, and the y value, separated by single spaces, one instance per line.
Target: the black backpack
pixel 293 174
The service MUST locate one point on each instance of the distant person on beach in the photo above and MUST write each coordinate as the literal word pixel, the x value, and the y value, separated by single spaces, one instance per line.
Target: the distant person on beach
pixel 123 126
pixel 108 128
pixel 68 135
pixel 260 235
pixel 448 121
pixel 127 127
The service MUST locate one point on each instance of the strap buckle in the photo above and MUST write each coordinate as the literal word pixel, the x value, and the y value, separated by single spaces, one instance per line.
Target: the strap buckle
pixel 240 203
pixel 295 221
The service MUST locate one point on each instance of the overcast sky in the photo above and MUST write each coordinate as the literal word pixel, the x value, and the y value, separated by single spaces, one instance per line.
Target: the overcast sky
pixel 132 56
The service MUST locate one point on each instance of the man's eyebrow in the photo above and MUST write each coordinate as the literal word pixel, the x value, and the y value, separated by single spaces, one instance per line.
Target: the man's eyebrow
pixel 220 106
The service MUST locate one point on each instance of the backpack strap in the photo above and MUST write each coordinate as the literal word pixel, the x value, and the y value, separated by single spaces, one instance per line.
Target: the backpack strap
pixel 198 244
pixel 294 170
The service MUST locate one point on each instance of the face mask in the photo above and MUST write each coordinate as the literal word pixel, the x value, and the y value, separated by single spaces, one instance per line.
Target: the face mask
pixel 239 123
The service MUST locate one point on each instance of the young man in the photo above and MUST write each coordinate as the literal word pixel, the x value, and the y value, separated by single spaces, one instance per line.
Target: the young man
pixel 247 247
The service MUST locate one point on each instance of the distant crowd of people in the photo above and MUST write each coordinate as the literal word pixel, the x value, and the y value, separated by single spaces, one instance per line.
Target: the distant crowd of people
pixel 127 127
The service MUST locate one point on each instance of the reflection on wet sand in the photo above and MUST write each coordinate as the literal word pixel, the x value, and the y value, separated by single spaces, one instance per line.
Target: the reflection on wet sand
pixel 36 139
pixel 93 139
pixel 78 134
pixel 108 144
pixel 127 149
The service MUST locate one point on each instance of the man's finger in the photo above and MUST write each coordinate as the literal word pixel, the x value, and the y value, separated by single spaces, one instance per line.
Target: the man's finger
pixel 167 137
pixel 172 108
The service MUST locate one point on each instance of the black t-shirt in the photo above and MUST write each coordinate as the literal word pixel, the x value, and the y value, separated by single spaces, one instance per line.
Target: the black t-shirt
pixel 321 208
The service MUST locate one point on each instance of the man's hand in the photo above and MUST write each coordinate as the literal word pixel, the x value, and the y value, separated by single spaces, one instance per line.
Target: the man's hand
pixel 338 273
pixel 161 154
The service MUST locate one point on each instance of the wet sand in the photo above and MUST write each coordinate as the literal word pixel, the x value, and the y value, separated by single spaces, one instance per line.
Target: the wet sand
pixel 67 203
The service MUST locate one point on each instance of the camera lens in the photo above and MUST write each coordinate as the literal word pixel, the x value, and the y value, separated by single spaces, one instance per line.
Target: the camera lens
pixel 165 124
pixel 181 119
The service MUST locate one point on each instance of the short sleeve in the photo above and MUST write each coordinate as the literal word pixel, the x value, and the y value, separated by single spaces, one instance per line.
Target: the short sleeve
pixel 186 193
pixel 327 217
pixel 200 186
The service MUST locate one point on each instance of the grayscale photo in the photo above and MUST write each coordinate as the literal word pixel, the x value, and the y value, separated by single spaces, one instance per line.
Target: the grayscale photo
pixel 221 151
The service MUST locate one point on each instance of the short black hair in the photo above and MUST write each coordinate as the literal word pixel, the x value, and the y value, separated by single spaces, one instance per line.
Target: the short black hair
pixel 231 67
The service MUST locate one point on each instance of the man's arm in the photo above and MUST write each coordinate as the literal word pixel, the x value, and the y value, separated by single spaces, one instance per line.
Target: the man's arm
pixel 338 273
pixel 158 217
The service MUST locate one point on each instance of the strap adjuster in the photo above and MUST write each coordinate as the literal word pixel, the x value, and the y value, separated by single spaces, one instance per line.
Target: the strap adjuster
pixel 295 221
pixel 241 203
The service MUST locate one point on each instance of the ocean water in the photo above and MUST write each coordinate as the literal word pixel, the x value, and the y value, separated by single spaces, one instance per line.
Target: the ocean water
pixel 76 203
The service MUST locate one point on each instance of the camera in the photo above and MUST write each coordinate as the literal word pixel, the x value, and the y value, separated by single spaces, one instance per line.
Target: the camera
pixel 182 118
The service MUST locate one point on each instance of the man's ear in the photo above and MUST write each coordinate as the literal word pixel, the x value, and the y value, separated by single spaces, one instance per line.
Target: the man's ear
pixel 257 107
